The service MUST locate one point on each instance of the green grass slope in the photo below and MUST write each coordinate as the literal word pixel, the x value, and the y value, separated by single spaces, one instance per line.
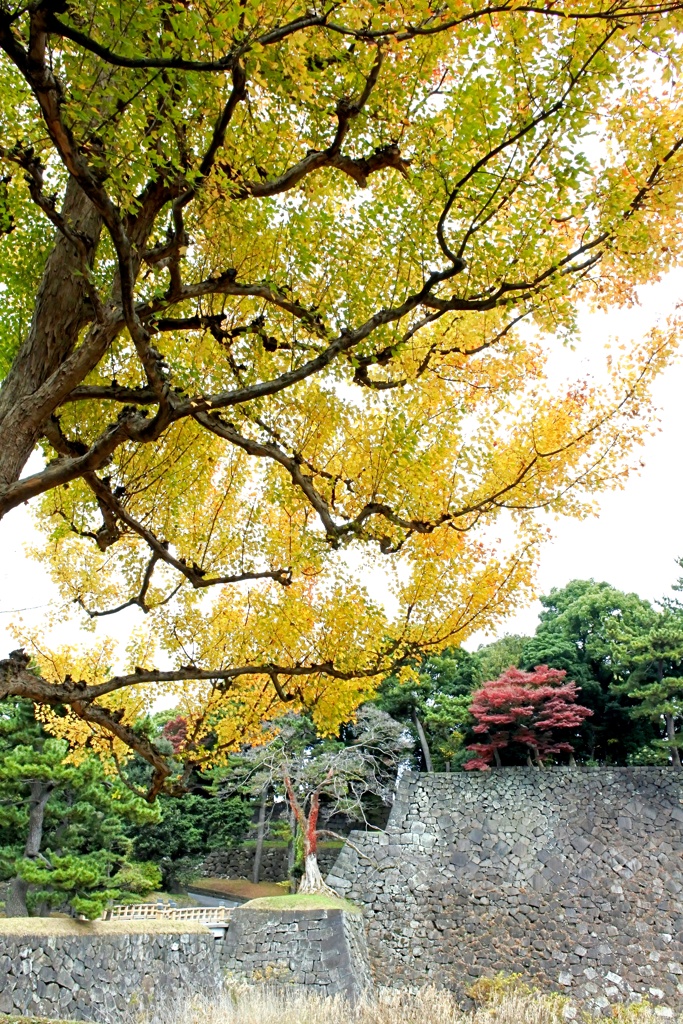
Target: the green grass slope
pixel 302 902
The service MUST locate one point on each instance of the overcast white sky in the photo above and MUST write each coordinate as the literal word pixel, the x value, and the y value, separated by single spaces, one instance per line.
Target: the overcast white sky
pixel 633 543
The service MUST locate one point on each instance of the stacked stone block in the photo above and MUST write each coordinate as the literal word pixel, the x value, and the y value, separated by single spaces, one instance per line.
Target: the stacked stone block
pixel 571 876
pixel 102 975
pixel 238 862
pixel 324 950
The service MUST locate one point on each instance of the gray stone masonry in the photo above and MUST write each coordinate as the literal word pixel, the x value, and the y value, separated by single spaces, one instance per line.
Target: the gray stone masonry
pixel 571 876
pixel 238 862
pixel 102 975
pixel 325 950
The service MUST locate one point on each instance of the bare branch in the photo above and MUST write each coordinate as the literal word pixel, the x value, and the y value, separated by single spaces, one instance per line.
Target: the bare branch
pixel 112 393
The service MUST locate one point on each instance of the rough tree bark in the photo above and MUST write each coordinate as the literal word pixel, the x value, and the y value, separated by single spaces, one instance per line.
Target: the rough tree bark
pixel 15 905
pixel 537 759
pixel 312 880
pixel 424 746
pixel 62 310
pixel 291 851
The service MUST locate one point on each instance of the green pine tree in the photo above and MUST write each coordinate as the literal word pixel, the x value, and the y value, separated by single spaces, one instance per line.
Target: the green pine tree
pixel 62 824
pixel 433 706
pixel 650 662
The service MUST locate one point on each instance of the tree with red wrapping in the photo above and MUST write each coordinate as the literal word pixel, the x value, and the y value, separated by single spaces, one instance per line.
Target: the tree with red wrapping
pixel 527 709
pixel 323 776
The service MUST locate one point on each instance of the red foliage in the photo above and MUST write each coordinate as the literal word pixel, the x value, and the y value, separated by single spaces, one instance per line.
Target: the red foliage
pixel 175 731
pixel 525 707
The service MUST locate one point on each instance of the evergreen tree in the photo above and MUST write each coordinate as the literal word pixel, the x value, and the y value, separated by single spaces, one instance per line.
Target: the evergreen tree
pixel 323 776
pixel 432 703
pixel 495 657
pixel 189 827
pixel 650 661
pixel 191 823
pixel 62 824
pixel 576 633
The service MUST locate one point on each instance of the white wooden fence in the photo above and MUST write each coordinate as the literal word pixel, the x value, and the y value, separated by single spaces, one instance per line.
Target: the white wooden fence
pixel 216 918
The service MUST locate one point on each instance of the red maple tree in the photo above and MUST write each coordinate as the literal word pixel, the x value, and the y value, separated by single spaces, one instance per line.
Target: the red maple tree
pixel 527 708
pixel 175 731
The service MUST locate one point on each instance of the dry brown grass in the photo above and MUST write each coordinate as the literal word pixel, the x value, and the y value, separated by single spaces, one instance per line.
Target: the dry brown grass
pixel 24 927
pixel 303 901
pixel 261 1005
pixel 239 887
pixel 12 1018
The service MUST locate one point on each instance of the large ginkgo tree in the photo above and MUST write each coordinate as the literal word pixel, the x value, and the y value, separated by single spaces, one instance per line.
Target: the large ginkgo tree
pixel 278 285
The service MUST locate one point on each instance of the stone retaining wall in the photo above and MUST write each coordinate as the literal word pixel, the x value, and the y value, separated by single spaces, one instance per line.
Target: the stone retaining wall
pixel 238 862
pixel 325 950
pixel 572 876
pixel 102 971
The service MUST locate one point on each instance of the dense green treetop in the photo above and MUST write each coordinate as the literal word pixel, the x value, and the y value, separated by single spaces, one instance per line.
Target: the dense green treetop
pixel 200 819
pixel 577 631
pixel 649 666
pixel 432 704
pixel 623 653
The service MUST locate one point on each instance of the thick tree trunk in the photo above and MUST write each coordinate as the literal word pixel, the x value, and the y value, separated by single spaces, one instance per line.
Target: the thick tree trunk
pixel 426 753
pixel 258 854
pixel 671 736
pixel 40 794
pixel 62 308
pixel 312 880
pixel 15 904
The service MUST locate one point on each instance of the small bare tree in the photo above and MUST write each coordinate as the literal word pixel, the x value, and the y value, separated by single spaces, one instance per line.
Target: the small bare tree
pixel 320 778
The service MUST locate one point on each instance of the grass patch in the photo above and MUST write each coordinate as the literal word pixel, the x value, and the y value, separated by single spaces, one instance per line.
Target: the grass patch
pixel 505 1004
pixel 282 844
pixel 23 927
pixel 240 888
pixel 11 1018
pixel 302 901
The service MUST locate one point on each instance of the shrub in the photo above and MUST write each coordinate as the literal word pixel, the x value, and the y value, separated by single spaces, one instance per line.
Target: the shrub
pixel 138 877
